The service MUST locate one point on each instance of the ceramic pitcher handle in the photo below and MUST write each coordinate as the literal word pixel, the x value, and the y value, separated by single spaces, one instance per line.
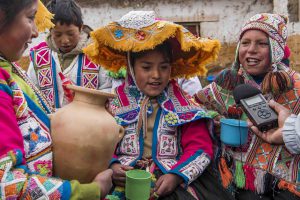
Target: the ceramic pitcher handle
pixel 121 132
pixel 50 116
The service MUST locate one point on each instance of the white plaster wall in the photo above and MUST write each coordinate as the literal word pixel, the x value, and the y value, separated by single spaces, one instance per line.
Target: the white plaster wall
pixel 281 7
pixel 232 14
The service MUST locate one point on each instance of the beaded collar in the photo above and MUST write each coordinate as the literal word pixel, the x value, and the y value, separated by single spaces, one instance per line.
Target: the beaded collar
pixel 43 103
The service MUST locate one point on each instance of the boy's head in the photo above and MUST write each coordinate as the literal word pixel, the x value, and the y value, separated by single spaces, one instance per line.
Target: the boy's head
pixel 68 24
pixel 152 69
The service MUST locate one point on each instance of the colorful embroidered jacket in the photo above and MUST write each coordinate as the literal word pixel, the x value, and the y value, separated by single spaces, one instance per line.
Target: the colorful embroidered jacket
pixel 25 150
pixel 256 160
pixel 45 66
pixel 180 145
pixel 25 128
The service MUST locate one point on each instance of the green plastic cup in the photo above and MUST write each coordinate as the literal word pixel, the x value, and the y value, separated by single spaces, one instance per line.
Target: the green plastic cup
pixel 138 184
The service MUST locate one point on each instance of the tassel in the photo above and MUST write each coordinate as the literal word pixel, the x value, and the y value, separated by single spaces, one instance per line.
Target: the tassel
pixel 250 177
pixel 270 182
pixel 283 185
pixel 69 94
pixel 225 173
pixel 277 82
pixel 43 18
pixel 239 175
pixel 260 181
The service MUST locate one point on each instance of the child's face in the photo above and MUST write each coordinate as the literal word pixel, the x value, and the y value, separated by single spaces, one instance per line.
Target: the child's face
pixel 254 52
pixel 152 73
pixel 66 37
pixel 14 39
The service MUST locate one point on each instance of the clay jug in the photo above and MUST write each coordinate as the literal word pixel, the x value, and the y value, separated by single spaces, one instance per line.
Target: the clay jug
pixel 84 136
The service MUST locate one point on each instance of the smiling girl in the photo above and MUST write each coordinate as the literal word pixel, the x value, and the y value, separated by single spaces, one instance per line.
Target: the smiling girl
pixel 258 169
pixel 165 131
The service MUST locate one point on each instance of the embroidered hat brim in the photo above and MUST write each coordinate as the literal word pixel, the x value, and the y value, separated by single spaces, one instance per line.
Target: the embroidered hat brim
pixel 190 54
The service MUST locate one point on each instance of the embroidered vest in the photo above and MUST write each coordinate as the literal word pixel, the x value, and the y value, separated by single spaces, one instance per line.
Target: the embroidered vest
pixel 46 72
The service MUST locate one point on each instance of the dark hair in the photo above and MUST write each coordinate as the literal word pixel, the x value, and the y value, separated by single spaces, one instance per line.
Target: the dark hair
pixel 65 12
pixel 164 48
pixel 10 9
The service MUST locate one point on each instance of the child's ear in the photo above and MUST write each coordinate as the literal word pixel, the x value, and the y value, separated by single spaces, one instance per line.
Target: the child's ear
pixel 80 28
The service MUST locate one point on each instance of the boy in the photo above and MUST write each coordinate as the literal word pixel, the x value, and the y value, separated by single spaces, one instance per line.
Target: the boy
pixel 60 57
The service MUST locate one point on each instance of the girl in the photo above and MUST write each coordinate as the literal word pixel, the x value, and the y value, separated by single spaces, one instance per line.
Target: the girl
pixel 25 151
pixel 260 169
pixel 165 131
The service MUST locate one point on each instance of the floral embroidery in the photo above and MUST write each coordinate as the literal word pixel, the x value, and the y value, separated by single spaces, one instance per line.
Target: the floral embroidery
pixel 140 35
pixel 35 138
pixel 171 118
pixel 119 33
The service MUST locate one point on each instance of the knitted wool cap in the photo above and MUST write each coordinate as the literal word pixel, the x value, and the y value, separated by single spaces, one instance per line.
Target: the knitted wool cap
pixel 277 80
pixel 140 31
pixel 274 26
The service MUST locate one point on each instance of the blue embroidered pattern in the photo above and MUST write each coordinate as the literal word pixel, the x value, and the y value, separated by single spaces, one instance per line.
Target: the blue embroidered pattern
pixel 119 33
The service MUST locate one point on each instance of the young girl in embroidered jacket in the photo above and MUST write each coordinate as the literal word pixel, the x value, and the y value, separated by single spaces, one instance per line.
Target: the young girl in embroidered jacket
pixel 60 56
pixel 165 131
pixel 25 150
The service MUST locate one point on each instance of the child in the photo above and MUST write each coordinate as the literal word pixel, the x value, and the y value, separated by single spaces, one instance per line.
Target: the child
pixel 165 131
pixel 62 54
pixel 259 169
pixel 26 144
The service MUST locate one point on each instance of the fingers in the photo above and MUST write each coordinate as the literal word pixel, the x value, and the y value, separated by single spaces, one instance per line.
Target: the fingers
pixel 164 188
pixel 119 183
pixel 257 132
pixel 160 189
pixel 255 129
pixel 166 184
pixel 250 124
pixel 126 168
pixel 158 183
pixel 119 179
pixel 108 172
pixel 283 113
pixel 277 107
pixel 262 135
pixel 273 136
pixel 119 176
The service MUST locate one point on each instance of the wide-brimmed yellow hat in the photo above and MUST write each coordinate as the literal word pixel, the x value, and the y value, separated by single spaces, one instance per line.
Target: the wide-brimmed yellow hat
pixel 139 31
pixel 43 18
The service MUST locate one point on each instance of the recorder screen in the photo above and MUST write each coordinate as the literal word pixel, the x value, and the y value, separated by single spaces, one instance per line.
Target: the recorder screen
pixel 253 100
